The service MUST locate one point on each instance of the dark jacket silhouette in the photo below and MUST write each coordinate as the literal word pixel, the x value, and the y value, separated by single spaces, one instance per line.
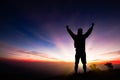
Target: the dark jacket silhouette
pixel 79 44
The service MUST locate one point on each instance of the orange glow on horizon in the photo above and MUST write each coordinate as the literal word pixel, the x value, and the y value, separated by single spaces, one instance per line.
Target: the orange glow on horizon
pixel 33 60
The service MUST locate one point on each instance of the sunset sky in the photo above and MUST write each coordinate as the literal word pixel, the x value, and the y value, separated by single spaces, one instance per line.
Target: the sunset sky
pixel 35 30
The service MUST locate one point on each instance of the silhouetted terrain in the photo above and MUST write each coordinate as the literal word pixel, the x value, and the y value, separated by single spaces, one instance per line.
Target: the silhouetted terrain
pixel 22 70
pixel 13 72
pixel 91 75
pixel 10 70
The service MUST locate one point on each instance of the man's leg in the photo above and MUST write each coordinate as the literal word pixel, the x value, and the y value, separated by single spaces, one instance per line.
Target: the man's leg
pixel 84 68
pixel 76 67
pixel 83 59
pixel 76 63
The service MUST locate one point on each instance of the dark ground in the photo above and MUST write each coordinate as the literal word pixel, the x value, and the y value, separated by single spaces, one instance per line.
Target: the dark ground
pixel 14 72
pixel 102 75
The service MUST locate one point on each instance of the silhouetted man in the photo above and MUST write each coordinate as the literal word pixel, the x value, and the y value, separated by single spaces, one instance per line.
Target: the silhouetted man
pixel 79 44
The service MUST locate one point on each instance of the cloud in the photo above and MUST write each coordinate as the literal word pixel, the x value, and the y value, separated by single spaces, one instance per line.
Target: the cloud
pixel 115 55
pixel 9 51
pixel 62 52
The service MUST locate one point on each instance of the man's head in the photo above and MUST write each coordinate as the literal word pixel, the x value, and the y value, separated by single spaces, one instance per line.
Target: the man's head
pixel 80 31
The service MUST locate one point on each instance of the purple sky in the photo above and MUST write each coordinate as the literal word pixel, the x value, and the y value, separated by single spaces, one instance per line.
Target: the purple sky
pixel 36 29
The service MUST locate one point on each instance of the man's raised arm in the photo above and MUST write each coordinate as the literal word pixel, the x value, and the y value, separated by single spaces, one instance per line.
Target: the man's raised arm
pixel 70 32
pixel 89 31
